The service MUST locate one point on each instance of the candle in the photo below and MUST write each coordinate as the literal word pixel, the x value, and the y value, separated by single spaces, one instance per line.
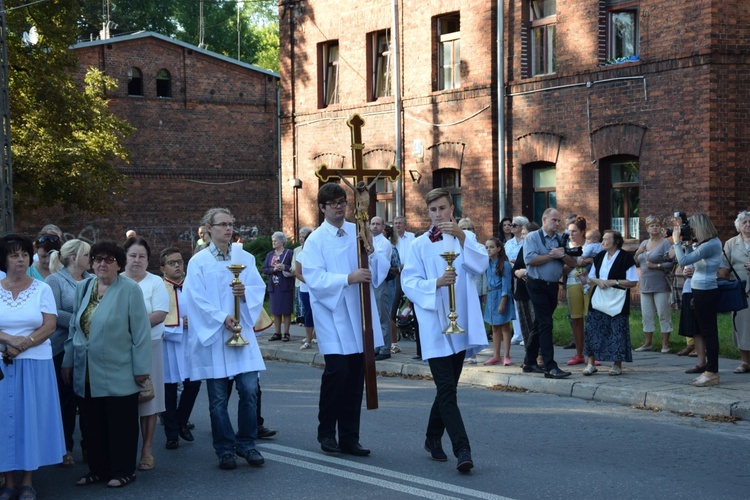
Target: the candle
pixel 448 242
pixel 236 254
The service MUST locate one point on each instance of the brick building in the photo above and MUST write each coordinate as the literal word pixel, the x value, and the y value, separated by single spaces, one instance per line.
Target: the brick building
pixel 206 135
pixel 614 109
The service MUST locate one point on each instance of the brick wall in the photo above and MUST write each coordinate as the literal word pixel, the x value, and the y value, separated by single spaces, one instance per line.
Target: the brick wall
pixel 214 143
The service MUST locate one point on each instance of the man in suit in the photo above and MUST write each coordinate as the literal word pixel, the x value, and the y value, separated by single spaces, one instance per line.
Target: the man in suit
pixel 330 269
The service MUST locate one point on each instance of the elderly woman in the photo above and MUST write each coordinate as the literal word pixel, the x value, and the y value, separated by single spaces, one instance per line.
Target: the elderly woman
pixel 304 291
pixel 512 247
pixel 737 254
pixel 108 360
pixel 68 267
pixel 278 267
pixel 155 297
pixel 706 258
pixel 32 434
pixel 607 333
pixel 43 245
pixel 656 265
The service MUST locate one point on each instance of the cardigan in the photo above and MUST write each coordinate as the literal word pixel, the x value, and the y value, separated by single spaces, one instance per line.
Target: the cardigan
pixel 623 262
pixel 64 290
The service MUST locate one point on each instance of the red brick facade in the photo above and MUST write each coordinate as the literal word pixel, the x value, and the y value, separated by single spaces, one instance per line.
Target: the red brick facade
pixel 213 143
pixel 680 111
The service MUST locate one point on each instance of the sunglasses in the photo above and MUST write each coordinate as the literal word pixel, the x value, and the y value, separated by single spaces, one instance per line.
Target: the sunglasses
pixel 99 259
pixel 52 238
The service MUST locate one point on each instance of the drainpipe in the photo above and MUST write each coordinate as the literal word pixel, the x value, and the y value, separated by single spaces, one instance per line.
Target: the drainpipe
pixel 397 108
pixel 500 111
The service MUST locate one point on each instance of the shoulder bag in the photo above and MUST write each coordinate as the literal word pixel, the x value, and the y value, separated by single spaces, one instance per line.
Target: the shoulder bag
pixel 610 301
pixel 732 294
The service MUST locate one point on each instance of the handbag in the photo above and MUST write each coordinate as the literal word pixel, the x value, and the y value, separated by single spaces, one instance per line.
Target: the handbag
pixel 610 301
pixel 146 393
pixel 732 295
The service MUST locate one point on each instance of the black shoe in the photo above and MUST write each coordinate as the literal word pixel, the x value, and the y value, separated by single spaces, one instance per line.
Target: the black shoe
pixel 173 444
pixel 190 425
pixel 382 356
pixel 253 457
pixel 572 345
pixel 465 464
pixel 186 434
pixel 416 357
pixel 556 373
pixel 329 445
pixel 435 448
pixel 532 369
pixel 265 433
pixel 354 449
pixel 227 462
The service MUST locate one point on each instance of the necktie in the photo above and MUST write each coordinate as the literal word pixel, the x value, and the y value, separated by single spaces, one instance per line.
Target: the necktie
pixel 435 234
pixel 340 233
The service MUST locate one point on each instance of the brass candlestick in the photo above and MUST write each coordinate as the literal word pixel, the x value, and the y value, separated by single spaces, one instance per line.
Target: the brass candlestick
pixel 452 316
pixel 236 340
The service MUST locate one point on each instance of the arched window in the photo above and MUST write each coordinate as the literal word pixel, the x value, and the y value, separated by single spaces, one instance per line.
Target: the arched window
pixel 619 194
pixel 163 83
pixel 135 81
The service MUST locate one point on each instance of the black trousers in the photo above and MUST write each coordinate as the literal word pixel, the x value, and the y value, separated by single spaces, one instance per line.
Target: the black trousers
pixel 543 297
pixel 341 388
pixel 177 414
pixel 705 303
pixel 67 403
pixel 110 430
pixel 445 415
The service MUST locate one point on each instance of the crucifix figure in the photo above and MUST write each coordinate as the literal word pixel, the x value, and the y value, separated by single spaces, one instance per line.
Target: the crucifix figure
pixel 362 201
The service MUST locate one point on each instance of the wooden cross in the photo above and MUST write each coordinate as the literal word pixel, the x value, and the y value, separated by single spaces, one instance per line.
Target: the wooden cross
pixel 362 199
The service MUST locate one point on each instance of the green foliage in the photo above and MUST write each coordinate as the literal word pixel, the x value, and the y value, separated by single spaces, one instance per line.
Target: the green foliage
pixel 259 28
pixel 259 247
pixel 64 139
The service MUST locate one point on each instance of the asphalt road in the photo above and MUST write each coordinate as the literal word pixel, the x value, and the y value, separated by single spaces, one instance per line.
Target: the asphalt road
pixel 525 446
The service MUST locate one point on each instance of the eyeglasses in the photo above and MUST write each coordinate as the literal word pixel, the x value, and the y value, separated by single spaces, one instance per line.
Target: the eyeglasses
pixel 175 262
pixel 515 225
pixel 224 225
pixel 52 238
pixel 336 204
pixel 98 259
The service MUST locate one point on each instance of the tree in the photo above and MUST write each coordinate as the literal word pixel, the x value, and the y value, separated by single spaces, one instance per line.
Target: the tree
pixel 259 24
pixel 64 139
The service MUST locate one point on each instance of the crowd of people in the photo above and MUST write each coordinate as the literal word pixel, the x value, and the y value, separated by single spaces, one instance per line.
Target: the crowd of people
pixel 87 330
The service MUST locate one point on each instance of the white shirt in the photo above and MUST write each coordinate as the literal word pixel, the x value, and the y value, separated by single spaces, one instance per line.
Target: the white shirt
pixel 432 304
pixel 156 299
pixel 20 317
pixel 326 262
pixel 175 352
pixel 209 300
pixel 403 245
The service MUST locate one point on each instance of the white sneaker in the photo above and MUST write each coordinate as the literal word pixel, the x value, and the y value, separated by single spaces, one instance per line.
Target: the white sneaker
pixel 590 370
pixel 395 349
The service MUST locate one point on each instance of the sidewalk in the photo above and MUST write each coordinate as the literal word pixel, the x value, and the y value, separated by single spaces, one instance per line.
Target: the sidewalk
pixel 652 379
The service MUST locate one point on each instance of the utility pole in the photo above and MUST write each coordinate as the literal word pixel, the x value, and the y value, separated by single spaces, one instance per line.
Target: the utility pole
pixel 6 180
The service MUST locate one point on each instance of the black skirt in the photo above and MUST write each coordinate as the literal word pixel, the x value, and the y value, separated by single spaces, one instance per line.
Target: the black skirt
pixel 688 326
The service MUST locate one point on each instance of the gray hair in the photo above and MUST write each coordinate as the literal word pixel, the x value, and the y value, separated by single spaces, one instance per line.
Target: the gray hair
pixel 741 217
pixel 520 220
pixel 278 235
pixel 305 231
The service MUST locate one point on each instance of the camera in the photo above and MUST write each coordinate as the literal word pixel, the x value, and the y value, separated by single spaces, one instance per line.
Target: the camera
pixel 573 252
pixel 686 232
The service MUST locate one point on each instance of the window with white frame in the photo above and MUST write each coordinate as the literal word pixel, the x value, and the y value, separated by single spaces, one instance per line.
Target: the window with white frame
pixel 542 23
pixel 329 73
pixel 380 57
pixel 449 52
pixel 623 33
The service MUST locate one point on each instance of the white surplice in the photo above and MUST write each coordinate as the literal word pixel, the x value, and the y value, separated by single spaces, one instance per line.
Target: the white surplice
pixel 209 299
pixel 326 262
pixel 174 348
pixel 432 305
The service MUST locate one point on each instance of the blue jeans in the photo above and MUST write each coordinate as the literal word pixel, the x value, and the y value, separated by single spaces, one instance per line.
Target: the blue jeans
pixel 219 391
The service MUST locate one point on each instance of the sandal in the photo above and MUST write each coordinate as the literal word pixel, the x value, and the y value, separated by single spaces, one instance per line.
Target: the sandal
pixel 146 463
pixel 7 494
pixel 68 461
pixel 743 368
pixel 121 482
pixel 274 337
pixel 26 493
pixel 88 479
pixel 286 337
